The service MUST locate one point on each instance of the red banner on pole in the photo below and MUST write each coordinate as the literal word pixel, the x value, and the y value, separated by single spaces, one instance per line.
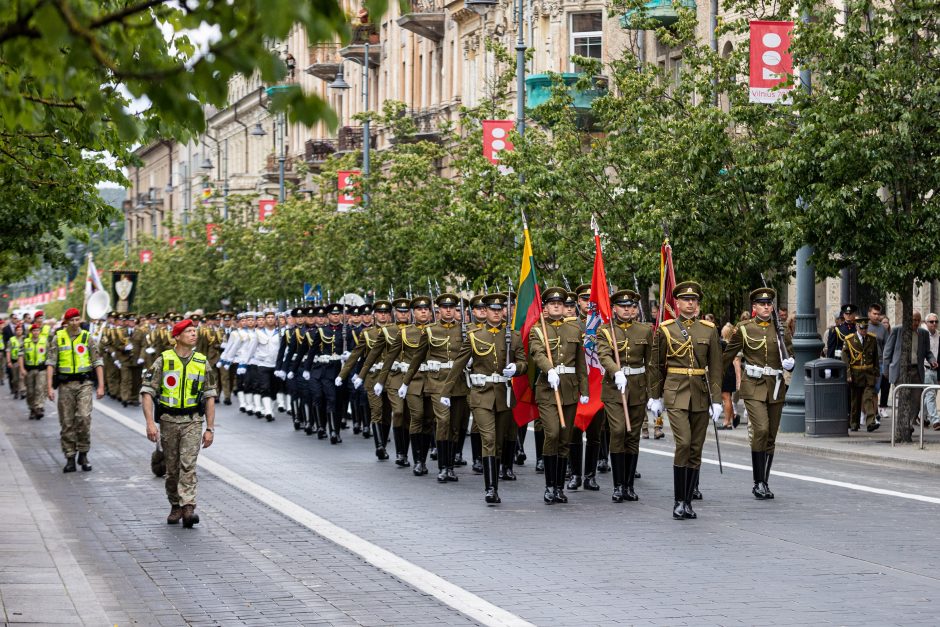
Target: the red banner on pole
pixel 496 140
pixel 173 241
pixel 212 238
pixel 347 199
pixel 146 256
pixel 771 62
pixel 266 208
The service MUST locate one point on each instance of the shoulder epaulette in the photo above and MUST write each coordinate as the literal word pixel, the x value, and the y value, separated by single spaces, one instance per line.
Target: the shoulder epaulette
pixel 571 319
pixel 708 323
pixel 870 334
pixel 670 321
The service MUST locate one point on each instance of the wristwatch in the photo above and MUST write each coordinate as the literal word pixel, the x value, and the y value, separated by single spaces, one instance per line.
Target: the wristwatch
pixel 210 429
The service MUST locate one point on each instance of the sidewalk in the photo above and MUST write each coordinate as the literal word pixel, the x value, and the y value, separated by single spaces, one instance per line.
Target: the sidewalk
pixel 859 446
pixel 40 581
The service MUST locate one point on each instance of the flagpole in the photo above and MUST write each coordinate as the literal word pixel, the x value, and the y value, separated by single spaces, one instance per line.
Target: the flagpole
pixel 87 278
pixel 613 334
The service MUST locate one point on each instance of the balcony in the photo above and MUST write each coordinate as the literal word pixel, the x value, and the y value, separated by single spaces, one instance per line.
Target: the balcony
pixel 425 127
pixel 324 61
pixel 317 151
pixel 365 37
pixel 272 171
pixel 662 11
pixel 426 19
pixel 350 138
pixel 538 88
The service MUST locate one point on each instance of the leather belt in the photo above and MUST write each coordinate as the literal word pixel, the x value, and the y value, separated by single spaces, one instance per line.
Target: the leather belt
pixel 627 370
pixel 692 372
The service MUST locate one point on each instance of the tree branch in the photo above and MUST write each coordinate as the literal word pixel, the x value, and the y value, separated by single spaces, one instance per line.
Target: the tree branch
pixel 126 12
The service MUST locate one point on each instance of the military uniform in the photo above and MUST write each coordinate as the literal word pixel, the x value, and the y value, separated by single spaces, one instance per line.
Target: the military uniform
pixel 110 338
pixel 14 351
pixel 390 378
pixel 568 371
pixel 687 379
pixel 626 353
pixel 835 339
pixel 322 365
pixel 490 394
pixel 73 360
pixel 478 319
pixel 34 362
pixel 175 383
pixel 860 354
pixel 584 450
pixel 131 377
pixel 763 388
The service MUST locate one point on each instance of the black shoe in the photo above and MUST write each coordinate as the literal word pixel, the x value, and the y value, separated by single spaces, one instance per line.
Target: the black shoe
pixel 490 482
pixel 758 466
pixel 629 475
pixel 433 453
pixel 872 427
pixel 83 462
pixel 69 464
pixel 477 466
pixel 560 466
pixel 227 401
pixel 442 475
pixel 574 483
pixel 691 482
pixel 401 460
pixel 696 493
pixel 770 461
pixel 736 421
pixel 308 430
pixel 603 465
pixel 619 466
pixel 678 489
pixel 506 474
pixel 269 418
pixel 459 460
pixel 550 461
pixel 590 483
pixel 357 430
pixel 381 454
pixel 540 464
pixel 321 434
pixel 451 475
pixel 296 425
pixel 617 495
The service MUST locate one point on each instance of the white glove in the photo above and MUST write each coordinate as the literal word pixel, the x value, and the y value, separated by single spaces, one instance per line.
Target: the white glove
pixel 140 361
pixel 403 391
pixel 717 411
pixel 509 371
pixel 117 364
pixel 338 381
pixel 655 406
pixel 553 379
pixel 150 350
pixel 344 356
pixel 290 375
pixel 227 365
pixel 223 345
pixel 445 401
pixel 584 400
pixel 788 364
pixel 113 354
pixel 357 382
pixel 620 380
pixel 306 375
pixel 378 389
pixel 218 364
pixel 241 370
pixel 279 374
pixel 129 347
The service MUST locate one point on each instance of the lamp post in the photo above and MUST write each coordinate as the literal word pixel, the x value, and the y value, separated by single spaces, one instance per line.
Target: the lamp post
pixel 281 157
pixel 152 203
pixel 207 166
pixel 339 83
pixel 806 341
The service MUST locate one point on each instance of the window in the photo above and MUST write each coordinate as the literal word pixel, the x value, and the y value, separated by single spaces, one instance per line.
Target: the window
pixel 586 36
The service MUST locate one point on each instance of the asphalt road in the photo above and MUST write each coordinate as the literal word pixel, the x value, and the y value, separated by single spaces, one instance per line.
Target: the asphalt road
pixel 295 530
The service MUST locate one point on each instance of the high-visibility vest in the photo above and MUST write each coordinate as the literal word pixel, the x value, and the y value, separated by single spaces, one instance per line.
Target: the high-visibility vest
pixel 34 353
pixel 15 346
pixel 182 383
pixel 74 355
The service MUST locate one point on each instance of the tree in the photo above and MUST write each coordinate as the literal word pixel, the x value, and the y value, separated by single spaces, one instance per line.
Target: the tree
pixel 70 69
pixel 864 149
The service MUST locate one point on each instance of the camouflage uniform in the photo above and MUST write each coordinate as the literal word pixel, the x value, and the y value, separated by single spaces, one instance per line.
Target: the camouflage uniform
pixel 180 435
pixel 74 401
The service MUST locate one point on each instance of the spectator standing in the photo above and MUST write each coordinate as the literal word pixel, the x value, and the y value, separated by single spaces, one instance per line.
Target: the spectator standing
pixel 729 382
pixel 875 313
pixel 892 361
pixel 930 372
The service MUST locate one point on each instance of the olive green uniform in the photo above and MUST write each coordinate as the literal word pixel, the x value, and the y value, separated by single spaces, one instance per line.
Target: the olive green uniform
pixel 634 342
pixel 391 379
pixel 861 359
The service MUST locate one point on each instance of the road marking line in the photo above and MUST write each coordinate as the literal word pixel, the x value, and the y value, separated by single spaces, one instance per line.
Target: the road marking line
pixel 423 580
pixel 811 479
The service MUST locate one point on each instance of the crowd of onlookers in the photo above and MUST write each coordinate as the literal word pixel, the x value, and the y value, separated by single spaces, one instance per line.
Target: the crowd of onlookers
pixel 15 330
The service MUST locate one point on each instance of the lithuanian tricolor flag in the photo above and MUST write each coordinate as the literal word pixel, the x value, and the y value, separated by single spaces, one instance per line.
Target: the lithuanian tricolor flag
pixel 525 315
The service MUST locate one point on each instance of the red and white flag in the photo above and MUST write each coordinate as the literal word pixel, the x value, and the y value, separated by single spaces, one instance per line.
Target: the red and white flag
pixel 770 62
pixel 598 314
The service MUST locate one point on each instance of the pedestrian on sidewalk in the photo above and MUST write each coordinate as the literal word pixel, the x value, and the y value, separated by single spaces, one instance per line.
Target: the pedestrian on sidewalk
pixel 892 361
pixel 930 372
pixel 186 394
pixel 74 365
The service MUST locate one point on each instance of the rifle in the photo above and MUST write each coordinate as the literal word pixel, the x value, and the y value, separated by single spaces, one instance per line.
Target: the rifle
pixel 463 319
pixel 431 295
pixel 509 341
pixel 781 346
pixel 567 285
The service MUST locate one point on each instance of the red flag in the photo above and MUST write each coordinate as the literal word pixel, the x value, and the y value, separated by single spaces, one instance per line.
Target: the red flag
pixel 598 314
pixel 667 282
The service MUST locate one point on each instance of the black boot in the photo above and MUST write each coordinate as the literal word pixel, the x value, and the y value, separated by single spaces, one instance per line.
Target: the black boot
pixel 678 490
pixel 550 470
pixel 590 467
pixel 426 443
pixel 617 465
pixel 691 479
pixel 418 469
pixel 696 493
pixel 401 447
pixel 441 461
pixel 309 417
pixel 458 449
pixel 296 416
pixel 560 480
pixel 335 427
pixel 83 461
pixel 770 461
pixel 69 464
pixel 575 457
pixel 602 465
pixel 384 429
pixel 630 475
pixel 379 446
pixel 490 481
pixel 476 450
pixel 758 465
pixel 321 422
pixel 449 465
pixel 521 432
pixel 509 450
pixel 539 443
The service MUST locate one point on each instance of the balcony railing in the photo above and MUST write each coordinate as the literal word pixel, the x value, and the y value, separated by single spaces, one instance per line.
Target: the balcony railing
pixel 363 34
pixel 350 138
pixel 425 18
pixel 319 150
pixel 324 61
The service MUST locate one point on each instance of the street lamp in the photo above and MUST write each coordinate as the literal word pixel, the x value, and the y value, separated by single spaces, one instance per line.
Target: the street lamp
pixel 258 130
pixel 207 165
pixel 339 83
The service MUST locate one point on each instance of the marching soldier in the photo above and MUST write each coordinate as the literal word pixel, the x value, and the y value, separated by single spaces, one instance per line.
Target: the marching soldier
pixel 404 352
pixel 860 354
pixel 33 364
pixel 835 339
pixel 322 365
pixel 688 368
pixel 128 356
pixel 559 354
pixel 437 349
pixel 226 377
pixel 74 365
pixel 178 391
pixel 763 388
pixel 391 374
pixel 591 448
pixel 478 320
pixel 490 395
pixel 630 377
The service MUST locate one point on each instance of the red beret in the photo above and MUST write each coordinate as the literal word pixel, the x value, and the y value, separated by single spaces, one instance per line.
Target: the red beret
pixel 35 325
pixel 38 314
pixel 181 326
pixel 69 313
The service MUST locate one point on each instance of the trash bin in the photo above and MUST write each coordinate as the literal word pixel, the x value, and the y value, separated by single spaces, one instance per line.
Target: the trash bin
pixel 827 398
